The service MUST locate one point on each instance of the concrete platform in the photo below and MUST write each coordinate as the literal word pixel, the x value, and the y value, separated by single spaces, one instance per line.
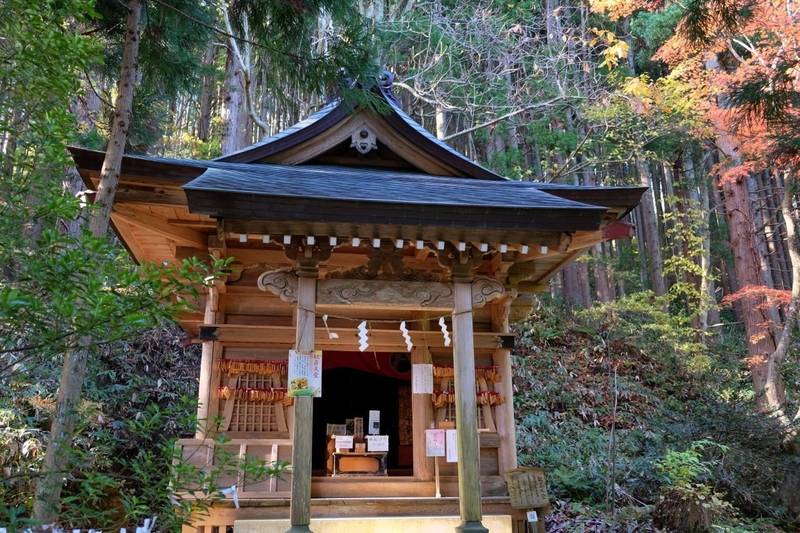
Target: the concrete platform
pixel 405 524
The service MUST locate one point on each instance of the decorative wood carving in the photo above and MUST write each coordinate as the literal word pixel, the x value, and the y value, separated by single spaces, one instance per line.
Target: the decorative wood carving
pixel 409 294
pixel 385 263
pixel 485 290
pixel 308 257
pixel 282 283
pixel 460 264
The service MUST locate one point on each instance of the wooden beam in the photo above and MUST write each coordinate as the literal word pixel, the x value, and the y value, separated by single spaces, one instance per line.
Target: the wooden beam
pixel 380 293
pixel 206 367
pixel 302 432
pixel 421 417
pixel 159 226
pixel 253 256
pixel 162 197
pixel 385 339
pixel 469 475
pixel 504 413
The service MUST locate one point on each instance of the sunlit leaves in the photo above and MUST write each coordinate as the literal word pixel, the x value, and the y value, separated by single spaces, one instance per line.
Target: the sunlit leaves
pixel 614 50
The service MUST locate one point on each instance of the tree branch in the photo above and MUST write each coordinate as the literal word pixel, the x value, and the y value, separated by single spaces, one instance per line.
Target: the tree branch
pixel 502 117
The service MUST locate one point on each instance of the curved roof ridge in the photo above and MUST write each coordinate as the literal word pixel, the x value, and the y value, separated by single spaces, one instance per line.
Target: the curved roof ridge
pixel 337 110
pixel 388 95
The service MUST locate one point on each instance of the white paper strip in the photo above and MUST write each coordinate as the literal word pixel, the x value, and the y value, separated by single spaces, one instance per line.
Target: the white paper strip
pixel 406 336
pixel 233 493
pixel 331 334
pixel 445 333
pixel 363 336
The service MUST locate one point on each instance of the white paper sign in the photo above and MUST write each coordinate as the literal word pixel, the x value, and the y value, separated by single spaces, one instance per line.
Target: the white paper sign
pixel 422 379
pixel 343 442
pixel 305 374
pixel 377 443
pixel 452 445
pixel 533 516
pixel 434 443
pixel 374 423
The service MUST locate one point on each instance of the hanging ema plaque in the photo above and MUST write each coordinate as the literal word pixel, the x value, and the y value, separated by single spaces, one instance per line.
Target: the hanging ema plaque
pixel 305 374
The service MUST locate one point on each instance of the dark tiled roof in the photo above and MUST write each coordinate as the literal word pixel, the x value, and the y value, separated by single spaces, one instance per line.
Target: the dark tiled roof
pixel 184 170
pixel 465 162
pixel 336 110
pixel 303 124
pixel 367 185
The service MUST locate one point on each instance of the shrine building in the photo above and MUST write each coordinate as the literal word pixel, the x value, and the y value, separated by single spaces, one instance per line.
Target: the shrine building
pixel 360 236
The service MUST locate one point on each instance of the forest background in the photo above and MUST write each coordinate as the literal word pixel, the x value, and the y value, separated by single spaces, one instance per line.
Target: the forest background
pixel 657 382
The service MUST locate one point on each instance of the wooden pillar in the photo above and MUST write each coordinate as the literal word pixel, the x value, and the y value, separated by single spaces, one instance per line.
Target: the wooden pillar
pixel 504 414
pixel 421 417
pixel 469 480
pixel 300 506
pixel 204 394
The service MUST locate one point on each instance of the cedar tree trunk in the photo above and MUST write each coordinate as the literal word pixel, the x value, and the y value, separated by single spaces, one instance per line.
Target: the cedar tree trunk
pixel 59 447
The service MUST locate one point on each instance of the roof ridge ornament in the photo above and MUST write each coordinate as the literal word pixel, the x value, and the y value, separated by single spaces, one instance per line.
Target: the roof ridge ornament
pixel 364 140
pixel 386 79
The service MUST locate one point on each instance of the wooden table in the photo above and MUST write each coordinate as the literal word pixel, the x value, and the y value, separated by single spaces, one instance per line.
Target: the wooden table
pixel 338 456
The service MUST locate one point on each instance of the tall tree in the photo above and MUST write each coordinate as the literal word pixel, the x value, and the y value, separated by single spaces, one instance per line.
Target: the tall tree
pixel 73 374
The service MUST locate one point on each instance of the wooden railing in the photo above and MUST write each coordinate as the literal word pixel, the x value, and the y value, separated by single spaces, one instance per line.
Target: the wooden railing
pixel 207 453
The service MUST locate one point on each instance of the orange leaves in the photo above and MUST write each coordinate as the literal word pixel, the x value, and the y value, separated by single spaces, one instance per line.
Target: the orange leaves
pixel 769 297
pixel 734 174
pixel 755 361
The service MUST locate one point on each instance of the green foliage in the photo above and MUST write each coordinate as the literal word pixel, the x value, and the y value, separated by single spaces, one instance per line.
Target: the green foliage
pixel 653 28
pixel 685 442
pixel 684 468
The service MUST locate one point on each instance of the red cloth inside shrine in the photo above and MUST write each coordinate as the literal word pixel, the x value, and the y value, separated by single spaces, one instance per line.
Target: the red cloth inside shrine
pixel 382 363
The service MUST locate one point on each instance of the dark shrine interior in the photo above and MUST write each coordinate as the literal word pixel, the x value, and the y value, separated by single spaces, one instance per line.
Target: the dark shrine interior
pixel 373 382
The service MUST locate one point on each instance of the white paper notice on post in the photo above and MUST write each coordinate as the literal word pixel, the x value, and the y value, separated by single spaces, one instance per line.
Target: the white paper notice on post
pixel 451 439
pixel 305 374
pixel 422 379
pixel 377 443
pixel 434 443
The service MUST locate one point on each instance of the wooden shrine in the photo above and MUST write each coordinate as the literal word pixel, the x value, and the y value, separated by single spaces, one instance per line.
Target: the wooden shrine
pixel 354 221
